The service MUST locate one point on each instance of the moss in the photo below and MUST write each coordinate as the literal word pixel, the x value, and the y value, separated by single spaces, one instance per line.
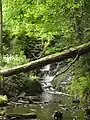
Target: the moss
pixel 14 85
pixel 32 87
pixel 3 100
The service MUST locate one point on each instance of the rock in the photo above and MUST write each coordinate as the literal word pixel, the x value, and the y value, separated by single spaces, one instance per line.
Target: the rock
pixel 87 112
pixel 21 116
pixel 23 102
pixel 17 118
pixel 46 102
pixel 22 95
pixel 58 115
pixel 3 100
pixel 36 98
pixel 75 100
pixel 87 103
pixel 29 100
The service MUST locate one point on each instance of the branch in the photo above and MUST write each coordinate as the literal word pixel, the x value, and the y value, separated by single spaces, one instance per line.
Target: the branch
pixel 57 74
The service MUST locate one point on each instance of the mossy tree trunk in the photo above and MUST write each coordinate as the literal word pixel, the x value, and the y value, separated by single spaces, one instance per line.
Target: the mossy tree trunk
pixel 70 53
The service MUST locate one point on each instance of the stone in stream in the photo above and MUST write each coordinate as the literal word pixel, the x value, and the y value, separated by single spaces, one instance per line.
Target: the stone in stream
pixel 87 112
pixel 20 116
pixel 17 118
pixel 22 95
pixel 58 115
pixel 76 100
pixel 34 98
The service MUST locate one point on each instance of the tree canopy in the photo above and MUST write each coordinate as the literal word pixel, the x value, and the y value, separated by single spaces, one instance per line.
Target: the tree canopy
pixel 58 24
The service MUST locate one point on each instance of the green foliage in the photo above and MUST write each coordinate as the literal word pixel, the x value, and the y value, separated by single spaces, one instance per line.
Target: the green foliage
pixel 14 60
pixel 81 77
pixel 79 86
pixel 31 46
pixel 43 20
pixel 3 99
pixel 7 44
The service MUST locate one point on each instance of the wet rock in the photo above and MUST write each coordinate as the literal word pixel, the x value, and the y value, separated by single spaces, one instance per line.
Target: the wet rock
pixel 23 102
pixel 30 101
pixel 17 104
pixel 17 118
pixel 20 116
pixel 75 107
pixel 36 99
pixel 58 115
pixel 75 100
pixel 74 119
pixel 13 99
pixel 87 112
pixel 87 103
pixel 22 95
pixel 65 108
pixel 46 102
pixel 28 98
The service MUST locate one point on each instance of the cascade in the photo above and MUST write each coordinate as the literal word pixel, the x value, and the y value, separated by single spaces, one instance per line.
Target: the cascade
pixel 48 73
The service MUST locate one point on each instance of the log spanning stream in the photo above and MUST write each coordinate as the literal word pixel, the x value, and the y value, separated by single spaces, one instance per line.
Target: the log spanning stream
pixel 51 101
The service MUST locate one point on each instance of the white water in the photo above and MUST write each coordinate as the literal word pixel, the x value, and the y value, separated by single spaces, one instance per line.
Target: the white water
pixel 48 73
pixel 48 77
pixel 45 68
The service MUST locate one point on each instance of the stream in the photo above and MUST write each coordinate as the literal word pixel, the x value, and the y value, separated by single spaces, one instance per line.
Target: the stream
pixel 51 100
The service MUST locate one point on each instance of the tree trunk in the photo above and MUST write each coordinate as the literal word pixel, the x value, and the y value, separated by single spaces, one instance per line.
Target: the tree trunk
pixel 1 43
pixel 70 53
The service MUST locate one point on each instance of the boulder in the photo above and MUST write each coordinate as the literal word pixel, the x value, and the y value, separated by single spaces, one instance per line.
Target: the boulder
pixel 58 115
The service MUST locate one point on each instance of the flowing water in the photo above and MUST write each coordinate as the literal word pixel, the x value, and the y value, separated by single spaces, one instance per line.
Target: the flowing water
pixel 51 100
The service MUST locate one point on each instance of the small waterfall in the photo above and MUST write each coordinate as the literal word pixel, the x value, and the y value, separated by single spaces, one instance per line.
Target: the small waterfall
pixel 48 73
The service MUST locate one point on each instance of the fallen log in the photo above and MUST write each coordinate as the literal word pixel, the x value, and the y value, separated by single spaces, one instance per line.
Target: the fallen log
pixel 70 53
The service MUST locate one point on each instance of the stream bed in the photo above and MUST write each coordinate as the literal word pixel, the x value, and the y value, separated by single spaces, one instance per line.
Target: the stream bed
pixel 48 105
pixel 50 101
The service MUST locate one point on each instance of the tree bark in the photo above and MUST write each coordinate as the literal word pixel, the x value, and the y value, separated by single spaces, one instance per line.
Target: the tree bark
pixel 1 42
pixel 70 53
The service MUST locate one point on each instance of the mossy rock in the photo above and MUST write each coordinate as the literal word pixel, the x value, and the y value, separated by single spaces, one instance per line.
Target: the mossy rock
pixel 16 84
pixel 32 87
pixel 3 100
